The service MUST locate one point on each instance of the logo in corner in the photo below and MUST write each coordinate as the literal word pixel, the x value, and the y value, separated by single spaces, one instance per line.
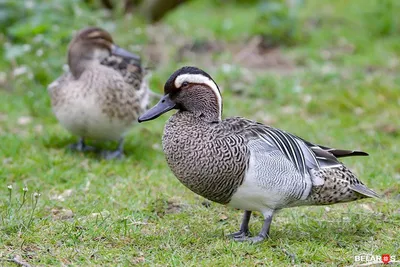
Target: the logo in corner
pixel 385 258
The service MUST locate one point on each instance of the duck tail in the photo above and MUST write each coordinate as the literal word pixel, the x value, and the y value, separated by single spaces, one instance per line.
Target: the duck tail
pixel 363 190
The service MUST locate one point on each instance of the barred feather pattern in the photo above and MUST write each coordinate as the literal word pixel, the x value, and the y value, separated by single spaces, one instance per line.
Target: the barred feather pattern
pixel 205 157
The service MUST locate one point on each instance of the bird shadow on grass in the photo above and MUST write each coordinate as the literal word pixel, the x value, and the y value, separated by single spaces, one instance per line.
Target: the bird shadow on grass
pixel 133 149
pixel 338 233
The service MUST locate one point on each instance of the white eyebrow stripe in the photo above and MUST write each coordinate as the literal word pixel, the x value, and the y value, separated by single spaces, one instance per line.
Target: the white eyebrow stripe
pixel 199 78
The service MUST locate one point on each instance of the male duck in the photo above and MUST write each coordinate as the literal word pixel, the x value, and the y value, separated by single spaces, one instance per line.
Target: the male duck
pixel 103 93
pixel 242 163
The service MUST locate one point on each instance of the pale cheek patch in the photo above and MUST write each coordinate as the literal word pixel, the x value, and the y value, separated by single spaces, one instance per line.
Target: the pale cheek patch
pixel 200 79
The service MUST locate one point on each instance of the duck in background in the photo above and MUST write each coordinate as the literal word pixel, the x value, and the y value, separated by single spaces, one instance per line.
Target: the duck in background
pixel 102 94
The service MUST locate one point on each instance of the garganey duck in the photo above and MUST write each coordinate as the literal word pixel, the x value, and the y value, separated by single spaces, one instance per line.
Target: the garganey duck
pixel 245 164
pixel 103 93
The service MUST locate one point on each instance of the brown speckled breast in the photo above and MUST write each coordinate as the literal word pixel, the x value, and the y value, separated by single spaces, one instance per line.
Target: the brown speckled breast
pixel 126 95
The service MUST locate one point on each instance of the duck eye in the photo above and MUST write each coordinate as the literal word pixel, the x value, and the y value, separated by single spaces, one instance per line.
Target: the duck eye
pixel 184 84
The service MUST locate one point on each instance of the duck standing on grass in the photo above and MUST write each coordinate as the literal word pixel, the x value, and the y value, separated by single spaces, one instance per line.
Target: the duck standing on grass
pixel 242 163
pixel 103 93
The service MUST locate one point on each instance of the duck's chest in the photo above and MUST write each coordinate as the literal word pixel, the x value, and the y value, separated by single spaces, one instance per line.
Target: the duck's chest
pixel 211 166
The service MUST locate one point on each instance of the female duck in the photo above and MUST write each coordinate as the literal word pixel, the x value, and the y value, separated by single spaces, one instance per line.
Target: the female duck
pixel 103 93
pixel 242 163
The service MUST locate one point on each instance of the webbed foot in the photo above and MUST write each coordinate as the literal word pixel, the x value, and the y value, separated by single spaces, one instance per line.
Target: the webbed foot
pixel 252 240
pixel 242 235
pixel 110 155
pixel 239 234
pixel 116 154
pixel 80 146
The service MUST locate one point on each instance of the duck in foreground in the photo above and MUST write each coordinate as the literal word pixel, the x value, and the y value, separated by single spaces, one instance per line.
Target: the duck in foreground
pixel 245 164
pixel 103 93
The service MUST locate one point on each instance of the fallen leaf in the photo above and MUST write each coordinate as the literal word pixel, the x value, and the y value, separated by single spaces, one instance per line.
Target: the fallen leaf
pixel 174 206
pixel 137 260
pixel 390 129
pixel 62 214
pixel 223 217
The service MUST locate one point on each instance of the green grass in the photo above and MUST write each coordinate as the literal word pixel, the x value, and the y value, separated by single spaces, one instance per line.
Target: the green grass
pixel 342 90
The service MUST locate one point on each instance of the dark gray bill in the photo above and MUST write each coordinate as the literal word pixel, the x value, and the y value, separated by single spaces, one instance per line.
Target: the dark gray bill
pixel 164 105
pixel 118 51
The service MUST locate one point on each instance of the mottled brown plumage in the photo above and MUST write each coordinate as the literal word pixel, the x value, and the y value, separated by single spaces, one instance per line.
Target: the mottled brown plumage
pixel 104 91
pixel 245 164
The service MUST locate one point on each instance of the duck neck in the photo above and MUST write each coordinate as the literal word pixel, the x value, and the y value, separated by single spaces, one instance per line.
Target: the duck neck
pixel 212 115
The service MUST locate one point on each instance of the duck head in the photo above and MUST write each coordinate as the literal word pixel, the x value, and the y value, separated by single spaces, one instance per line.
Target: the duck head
pixel 90 45
pixel 189 89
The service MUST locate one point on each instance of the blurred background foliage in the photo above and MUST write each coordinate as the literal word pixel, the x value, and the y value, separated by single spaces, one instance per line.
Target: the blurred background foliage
pixel 35 33
pixel 33 30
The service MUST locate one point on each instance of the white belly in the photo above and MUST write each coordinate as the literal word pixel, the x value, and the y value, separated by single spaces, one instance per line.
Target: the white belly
pixel 271 182
pixel 83 117
pixel 250 196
